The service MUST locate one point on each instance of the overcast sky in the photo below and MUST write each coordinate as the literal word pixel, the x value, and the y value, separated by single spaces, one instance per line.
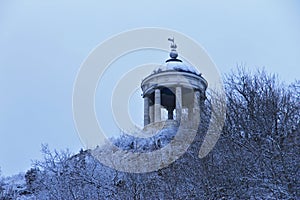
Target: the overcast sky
pixel 42 45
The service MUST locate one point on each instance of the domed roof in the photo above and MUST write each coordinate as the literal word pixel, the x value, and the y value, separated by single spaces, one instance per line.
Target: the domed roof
pixel 176 65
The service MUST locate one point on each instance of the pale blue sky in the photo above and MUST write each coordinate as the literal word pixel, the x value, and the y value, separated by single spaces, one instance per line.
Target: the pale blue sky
pixel 42 45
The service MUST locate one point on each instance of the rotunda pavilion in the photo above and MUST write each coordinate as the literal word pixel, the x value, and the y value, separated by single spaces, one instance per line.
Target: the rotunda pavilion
pixel 176 87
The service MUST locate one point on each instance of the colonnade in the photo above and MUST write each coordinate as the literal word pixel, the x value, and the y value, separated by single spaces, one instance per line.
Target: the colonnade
pixel 152 113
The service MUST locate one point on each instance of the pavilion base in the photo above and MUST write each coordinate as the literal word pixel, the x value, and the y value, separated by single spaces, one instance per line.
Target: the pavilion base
pixel 154 127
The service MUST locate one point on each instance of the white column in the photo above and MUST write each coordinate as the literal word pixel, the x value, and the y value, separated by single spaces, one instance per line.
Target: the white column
pixel 196 99
pixel 196 105
pixel 151 113
pixel 157 106
pixel 146 111
pixel 178 103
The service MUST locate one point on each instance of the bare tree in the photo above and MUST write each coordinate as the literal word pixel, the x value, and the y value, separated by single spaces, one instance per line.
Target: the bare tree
pixel 255 157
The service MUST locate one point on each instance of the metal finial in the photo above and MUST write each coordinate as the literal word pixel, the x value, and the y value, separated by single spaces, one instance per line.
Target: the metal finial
pixel 173 53
pixel 173 45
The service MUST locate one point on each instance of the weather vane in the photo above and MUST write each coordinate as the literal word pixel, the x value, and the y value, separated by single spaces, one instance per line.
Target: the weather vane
pixel 173 53
pixel 173 45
